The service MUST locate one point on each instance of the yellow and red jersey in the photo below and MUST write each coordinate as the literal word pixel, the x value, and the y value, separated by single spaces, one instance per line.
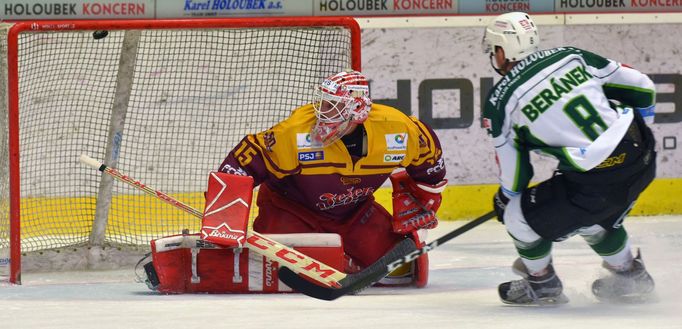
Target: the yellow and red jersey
pixel 327 180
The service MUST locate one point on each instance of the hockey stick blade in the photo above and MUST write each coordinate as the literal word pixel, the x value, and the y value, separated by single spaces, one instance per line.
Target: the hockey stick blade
pixel 352 283
pixel 404 252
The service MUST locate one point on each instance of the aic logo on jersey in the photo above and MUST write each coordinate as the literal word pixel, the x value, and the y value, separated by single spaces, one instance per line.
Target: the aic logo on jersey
pixel 396 142
pixel 311 156
pixel 394 157
pixel 303 141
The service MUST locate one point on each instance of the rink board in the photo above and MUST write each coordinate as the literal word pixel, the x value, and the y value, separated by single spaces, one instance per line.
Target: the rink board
pixel 459 202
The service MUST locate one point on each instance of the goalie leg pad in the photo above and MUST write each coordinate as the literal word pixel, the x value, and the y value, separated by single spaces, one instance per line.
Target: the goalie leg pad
pixel 414 273
pixel 187 264
pixel 421 264
pixel 368 235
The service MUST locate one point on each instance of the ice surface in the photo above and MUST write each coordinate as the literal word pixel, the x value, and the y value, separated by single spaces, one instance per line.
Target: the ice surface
pixel 461 293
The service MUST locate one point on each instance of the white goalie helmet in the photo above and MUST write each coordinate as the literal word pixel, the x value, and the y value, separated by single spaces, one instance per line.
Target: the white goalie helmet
pixel 341 101
pixel 514 32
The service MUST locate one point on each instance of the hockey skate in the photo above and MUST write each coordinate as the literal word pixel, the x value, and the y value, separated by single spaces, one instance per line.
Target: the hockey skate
pixel 532 290
pixel 634 285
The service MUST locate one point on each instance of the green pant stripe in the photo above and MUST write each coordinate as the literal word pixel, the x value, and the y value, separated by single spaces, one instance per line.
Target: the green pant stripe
pixel 612 243
pixel 536 250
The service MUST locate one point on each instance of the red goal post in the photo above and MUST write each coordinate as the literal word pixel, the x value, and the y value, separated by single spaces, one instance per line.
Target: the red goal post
pixel 163 99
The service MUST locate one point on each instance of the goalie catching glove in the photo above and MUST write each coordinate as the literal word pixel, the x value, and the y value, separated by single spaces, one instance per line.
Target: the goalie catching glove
pixel 414 204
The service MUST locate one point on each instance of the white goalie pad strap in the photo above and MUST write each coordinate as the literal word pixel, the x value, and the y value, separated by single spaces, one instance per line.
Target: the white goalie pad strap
pixel 307 239
pixel 175 242
pixel 292 240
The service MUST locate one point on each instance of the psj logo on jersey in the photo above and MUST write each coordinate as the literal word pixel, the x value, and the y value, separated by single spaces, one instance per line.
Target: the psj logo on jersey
pixel 310 156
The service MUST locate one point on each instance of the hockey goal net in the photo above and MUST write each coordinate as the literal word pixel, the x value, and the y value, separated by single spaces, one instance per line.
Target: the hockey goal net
pixel 163 100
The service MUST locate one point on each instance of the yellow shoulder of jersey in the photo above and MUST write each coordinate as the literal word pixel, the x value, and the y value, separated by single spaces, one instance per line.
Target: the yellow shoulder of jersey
pixel 280 142
pixel 421 145
pixel 392 118
pixel 389 121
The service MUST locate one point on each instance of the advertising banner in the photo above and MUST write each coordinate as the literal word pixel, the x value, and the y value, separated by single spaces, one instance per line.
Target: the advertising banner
pixel 503 6
pixel 383 7
pixel 165 9
pixel 617 5
pixel 442 76
pixel 76 9
pixel 232 8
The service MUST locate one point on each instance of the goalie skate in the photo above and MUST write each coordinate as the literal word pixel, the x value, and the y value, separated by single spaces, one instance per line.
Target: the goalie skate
pixel 630 286
pixel 532 290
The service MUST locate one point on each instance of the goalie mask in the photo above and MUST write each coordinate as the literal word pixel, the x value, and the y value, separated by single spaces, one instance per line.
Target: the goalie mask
pixel 341 102
pixel 514 32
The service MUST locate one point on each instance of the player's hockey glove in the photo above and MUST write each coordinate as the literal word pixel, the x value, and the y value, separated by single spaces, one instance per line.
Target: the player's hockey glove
pixel 647 113
pixel 414 204
pixel 500 204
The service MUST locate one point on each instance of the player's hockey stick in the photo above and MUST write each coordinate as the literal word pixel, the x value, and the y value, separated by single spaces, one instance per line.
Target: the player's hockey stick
pixel 294 260
pixel 406 251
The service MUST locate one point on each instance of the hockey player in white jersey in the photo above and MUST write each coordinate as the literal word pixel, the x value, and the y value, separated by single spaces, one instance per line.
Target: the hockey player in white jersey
pixel 590 113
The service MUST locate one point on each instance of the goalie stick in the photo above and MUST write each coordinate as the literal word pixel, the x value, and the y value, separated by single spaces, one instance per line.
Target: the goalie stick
pixel 404 252
pixel 294 260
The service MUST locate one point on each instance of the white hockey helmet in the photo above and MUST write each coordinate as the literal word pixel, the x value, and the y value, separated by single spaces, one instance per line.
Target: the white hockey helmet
pixel 514 32
pixel 340 101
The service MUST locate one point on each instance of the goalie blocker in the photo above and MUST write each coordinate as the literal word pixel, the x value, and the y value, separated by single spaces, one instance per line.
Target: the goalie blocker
pixel 226 214
pixel 187 264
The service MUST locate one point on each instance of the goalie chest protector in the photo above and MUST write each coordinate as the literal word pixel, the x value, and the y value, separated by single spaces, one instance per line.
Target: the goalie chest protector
pixel 187 264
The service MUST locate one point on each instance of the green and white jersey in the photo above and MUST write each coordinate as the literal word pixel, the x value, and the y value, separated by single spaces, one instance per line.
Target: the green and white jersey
pixel 556 102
